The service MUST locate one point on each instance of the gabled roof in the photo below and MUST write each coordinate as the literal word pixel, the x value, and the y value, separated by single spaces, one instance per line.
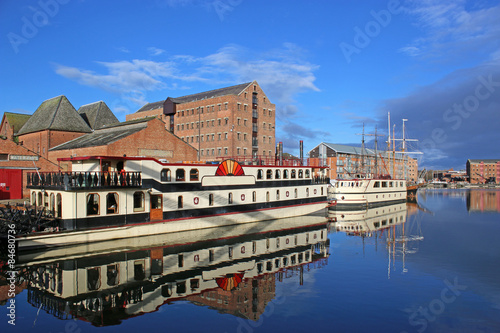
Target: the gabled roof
pixel 152 106
pixel 344 149
pixel 106 135
pixel 16 120
pixel 233 90
pixel 97 115
pixel 55 114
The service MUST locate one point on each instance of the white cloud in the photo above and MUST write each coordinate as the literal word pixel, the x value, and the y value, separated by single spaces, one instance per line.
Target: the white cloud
pixel 281 72
pixel 453 28
pixel 154 51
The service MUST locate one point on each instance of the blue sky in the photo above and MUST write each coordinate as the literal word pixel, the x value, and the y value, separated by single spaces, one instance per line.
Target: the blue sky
pixel 329 66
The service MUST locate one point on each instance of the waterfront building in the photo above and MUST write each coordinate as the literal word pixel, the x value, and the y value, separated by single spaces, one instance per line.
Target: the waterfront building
pixel 346 161
pixel 483 171
pixel 236 121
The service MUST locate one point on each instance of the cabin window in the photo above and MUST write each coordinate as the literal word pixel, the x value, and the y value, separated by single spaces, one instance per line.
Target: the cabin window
pixel 52 205
pixel 269 174
pixel 112 203
pixel 40 199
pixel 307 192
pixel 112 275
pixel 46 200
pixel 384 184
pixel 180 203
pixel 308 173
pixel 260 174
pixel 230 198
pixel 211 255
pixel 293 174
pixel 59 205
pixel 180 175
pixel 138 201
pixel 296 192
pixel 376 184
pixel 285 174
pixel 93 278
pixel 267 196
pixel 194 283
pixel 92 204
pixel 210 199
pixel 193 175
pixel 390 184
pixel 33 198
pixel 254 196
pixel 277 194
pixel 401 184
pixel 165 175
pixel 277 174
pixel 301 173
pixel 321 190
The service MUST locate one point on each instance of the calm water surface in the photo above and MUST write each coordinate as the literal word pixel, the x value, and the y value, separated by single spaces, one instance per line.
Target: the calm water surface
pixel 426 267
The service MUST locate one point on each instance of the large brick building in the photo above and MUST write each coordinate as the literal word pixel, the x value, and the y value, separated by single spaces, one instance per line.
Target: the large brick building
pixel 483 171
pixel 348 161
pixel 236 121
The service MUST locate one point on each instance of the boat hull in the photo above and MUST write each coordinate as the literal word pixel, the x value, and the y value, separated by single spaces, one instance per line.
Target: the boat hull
pixel 63 238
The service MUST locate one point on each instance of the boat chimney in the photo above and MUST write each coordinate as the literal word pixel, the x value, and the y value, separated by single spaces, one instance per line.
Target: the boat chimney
pixel 301 144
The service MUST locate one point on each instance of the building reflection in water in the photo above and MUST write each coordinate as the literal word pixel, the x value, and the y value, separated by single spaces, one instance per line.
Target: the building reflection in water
pixel 232 269
pixel 483 201
pixel 387 224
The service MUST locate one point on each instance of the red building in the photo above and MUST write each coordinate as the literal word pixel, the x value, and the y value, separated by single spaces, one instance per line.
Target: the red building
pixel 483 171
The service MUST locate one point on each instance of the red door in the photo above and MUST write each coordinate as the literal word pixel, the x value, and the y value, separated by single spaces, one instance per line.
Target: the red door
pixel 11 184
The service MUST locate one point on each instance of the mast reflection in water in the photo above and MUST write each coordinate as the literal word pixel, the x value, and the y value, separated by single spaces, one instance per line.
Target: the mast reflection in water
pixel 232 269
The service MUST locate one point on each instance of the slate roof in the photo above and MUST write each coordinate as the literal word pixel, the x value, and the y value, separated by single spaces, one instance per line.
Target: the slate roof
pixel 97 115
pixel 16 120
pixel 152 106
pixel 485 161
pixel 55 114
pixel 106 135
pixel 344 149
pixel 233 90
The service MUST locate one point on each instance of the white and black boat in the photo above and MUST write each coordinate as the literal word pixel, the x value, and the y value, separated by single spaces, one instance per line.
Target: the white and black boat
pixel 105 197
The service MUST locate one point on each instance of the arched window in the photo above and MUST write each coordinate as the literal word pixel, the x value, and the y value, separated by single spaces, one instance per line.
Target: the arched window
pixel 269 174
pixel 277 194
pixel 52 205
pixel 40 199
pixel 211 199
pixel 267 196
pixel 112 203
pixel 293 174
pixel 92 204
pixel 180 202
pixel 301 173
pixel 307 192
pixel 139 201
pixel 230 198
pixel 180 175
pixel 194 175
pixel 296 192
pixel 59 205
pixel 260 174
pixel 254 196
pixel 93 278
pixel 277 174
pixel 33 198
pixel 308 173
pixel 165 175
pixel 285 174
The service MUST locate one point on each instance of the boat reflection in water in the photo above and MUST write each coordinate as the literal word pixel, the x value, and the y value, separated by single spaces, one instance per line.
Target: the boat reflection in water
pixel 231 269
pixel 387 223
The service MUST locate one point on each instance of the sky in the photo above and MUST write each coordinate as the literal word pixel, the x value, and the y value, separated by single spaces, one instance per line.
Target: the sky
pixel 331 67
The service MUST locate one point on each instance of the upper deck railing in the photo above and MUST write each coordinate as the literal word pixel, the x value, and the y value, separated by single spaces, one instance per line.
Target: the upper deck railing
pixel 76 180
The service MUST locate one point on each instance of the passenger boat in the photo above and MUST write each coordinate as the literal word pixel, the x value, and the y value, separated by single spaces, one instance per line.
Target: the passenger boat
pixel 112 281
pixel 364 193
pixel 105 197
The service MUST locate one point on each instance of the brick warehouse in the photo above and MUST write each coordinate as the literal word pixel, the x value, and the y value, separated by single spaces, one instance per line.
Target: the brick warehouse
pixel 236 121
pixel 483 171
pixel 345 161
